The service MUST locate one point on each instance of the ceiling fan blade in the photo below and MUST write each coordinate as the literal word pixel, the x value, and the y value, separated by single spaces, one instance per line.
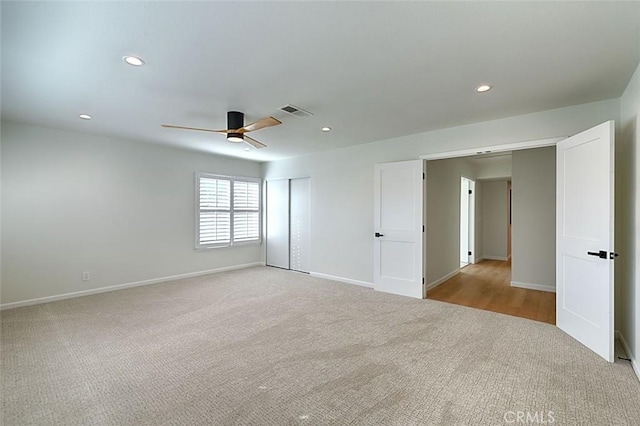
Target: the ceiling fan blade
pixel 254 143
pixel 171 126
pixel 262 123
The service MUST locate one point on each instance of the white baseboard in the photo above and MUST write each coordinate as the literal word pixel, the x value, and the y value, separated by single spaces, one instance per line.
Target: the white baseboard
pixel 495 258
pixel 634 361
pixel 478 259
pixel 123 286
pixel 534 286
pixel 341 279
pixel 439 281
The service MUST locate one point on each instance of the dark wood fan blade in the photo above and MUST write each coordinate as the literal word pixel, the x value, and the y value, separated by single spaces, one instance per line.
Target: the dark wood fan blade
pixel 171 126
pixel 254 143
pixel 262 123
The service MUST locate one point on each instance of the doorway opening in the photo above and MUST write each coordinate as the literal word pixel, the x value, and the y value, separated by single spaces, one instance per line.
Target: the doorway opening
pixel 472 197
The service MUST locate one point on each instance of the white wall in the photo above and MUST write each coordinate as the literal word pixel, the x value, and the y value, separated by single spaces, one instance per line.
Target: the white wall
pixel 443 216
pixel 123 210
pixel 628 220
pixel 496 219
pixel 342 180
pixel 493 167
pixel 533 260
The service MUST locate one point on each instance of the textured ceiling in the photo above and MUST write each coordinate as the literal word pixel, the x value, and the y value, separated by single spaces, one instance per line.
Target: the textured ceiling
pixel 370 70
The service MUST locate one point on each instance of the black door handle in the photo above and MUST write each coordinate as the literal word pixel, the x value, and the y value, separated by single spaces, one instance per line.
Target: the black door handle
pixel 601 254
pixel 378 235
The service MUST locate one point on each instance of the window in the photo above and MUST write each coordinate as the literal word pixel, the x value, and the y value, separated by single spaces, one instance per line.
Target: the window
pixel 227 210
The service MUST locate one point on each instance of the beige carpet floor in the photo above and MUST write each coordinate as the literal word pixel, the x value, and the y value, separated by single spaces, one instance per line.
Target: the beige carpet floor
pixel 263 346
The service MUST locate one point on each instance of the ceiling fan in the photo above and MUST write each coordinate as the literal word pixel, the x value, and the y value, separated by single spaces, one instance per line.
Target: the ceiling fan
pixel 236 129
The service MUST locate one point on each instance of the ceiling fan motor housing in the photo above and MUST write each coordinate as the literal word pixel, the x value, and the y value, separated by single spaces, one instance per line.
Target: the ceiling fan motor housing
pixel 235 120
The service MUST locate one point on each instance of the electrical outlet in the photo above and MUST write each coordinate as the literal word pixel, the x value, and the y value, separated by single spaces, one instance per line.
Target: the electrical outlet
pixel 86 276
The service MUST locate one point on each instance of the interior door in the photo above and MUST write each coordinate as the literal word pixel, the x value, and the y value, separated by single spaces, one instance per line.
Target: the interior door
pixel 585 245
pixel 398 228
pixel 278 223
pixel 466 219
pixel 472 223
pixel 300 226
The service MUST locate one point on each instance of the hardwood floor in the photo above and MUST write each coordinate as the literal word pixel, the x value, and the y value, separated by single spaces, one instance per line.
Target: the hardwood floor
pixel 486 285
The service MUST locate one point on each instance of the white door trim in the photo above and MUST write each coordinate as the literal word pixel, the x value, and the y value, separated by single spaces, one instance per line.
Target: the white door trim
pixel 514 146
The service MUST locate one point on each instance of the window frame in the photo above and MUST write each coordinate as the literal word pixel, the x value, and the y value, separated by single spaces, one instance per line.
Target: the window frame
pixel 232 210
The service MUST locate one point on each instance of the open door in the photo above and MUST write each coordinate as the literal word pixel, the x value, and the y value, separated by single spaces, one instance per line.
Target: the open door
pixel 464 222
pixel 585 244
pixel 467 221
pixel 398 228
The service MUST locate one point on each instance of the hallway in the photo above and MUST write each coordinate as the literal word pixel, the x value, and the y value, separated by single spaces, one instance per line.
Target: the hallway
pixel 486 285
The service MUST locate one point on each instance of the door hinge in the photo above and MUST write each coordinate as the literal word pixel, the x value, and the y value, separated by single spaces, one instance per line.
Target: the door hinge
pixel 422 280
pixel 469 253
pixel 423 177
pixel 422 228
pixel 470 192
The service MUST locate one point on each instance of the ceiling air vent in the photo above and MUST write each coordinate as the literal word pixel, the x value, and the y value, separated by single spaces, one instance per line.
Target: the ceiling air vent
pixel 294 110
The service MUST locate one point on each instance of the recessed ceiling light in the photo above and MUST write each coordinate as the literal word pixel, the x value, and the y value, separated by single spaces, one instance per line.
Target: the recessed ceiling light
pixel 483 88
pixel 85 116
pixel 326 129
pixel 247 149
pixel 133 60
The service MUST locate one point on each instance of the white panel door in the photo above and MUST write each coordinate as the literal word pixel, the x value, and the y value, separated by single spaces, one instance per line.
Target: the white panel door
pixel 398 231
pixel 277 234
pixel 472 222
pixel 585 245
pixel 300 237
pixel 464 221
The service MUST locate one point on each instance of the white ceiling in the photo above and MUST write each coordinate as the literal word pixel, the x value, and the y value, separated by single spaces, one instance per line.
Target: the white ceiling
pixel 370 70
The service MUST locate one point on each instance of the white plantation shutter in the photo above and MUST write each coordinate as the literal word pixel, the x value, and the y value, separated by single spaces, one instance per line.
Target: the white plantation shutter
pixel 246 226
pixel 215 228
pixel 246 211
pixel 228 210
pixel 246 195
pixel 215 211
